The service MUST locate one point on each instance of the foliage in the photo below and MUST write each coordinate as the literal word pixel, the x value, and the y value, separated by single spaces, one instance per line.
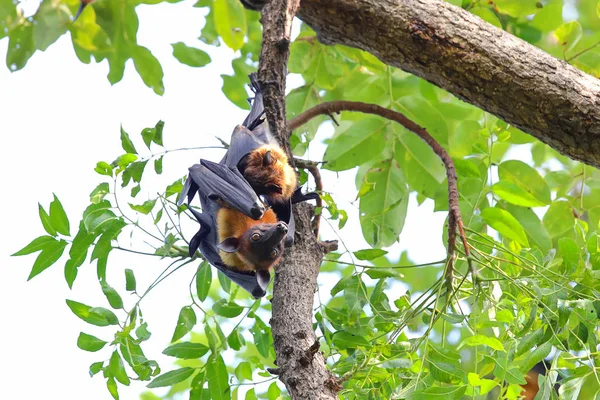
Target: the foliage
pixel 386 326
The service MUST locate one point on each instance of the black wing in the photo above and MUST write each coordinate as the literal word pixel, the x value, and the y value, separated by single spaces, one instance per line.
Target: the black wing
pixel 217 182
pixel 206 240
pixel 254 131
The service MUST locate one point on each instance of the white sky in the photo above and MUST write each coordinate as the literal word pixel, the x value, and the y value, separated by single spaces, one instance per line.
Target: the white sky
pixel 59 117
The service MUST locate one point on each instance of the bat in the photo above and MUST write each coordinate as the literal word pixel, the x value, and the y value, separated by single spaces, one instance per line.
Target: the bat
pixel 233 215
pixel 237 235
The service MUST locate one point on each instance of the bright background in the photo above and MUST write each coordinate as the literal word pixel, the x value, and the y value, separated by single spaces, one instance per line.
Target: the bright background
pixel 63 117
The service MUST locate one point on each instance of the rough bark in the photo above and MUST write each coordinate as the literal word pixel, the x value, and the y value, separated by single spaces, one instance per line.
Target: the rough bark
pixel 301 367
pixel 475 61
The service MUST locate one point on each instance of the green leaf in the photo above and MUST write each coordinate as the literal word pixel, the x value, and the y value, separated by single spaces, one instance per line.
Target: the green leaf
pixel 90 343
pixel 505 370
pixel 521 185
pixel 51 22
pixel 444 364
pixel 243 371
pixel 95 368
pixel 505 224
pixel 126 142
pixel 251 395
pixel 548 18
pixel 535 230
pixel 369 254
pixel 78 253
pixel 149 69
pixel 344 340
pixel 130 283
pixel 487 15
pixel 158 165
pixel 172 377
pixel 20 45
pixel 37 244
pixel 235 340
pixel 217 377
pixel 479 340
pixel 186 350
pixel 111 385
pixel 529 341
pixel 568 34
pixel 112 296
pixel 517 8
pixel 559 219
pixel 422 168
pixel 485 385
pixel 45 218
pixel 58 217
pixel 536 356
pixel 144 208
pixel 571 388
pixel 185 323
pixel 230 22
pixel 441 393
pixel 142 332
pixel 363 141
pixel 98 216
pixel 383 209
pixel 227 309
pixel 103 168
pixel 95 316
pixel 273 392
pixel 203 280
pixel 99 193
pixel 224 281
pixel 569 251
pixel 190 55
pixel 158 133
pixel 49 255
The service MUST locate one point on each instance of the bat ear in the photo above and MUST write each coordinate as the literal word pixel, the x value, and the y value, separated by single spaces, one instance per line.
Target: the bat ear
pixel 267 159
pixel 229 245
pixel 263 278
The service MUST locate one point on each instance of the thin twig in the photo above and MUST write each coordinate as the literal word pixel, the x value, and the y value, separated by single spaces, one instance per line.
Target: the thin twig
pixel 582 52
pixel 454 218
pixel 316 174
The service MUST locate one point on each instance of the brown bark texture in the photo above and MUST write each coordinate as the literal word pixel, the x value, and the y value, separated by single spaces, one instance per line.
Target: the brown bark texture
pixel 301 367
pixel 477 62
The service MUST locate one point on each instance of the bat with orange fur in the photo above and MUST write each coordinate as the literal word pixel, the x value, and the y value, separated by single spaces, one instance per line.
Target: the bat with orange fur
pixel 237 235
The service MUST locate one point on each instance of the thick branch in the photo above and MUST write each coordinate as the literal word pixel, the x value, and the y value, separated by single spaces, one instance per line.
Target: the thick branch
pixel 454 218
pixel 300 366
pixel 475 61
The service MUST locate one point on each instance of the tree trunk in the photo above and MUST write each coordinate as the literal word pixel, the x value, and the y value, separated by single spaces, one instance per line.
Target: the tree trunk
pixel 301 367
pixel 477 62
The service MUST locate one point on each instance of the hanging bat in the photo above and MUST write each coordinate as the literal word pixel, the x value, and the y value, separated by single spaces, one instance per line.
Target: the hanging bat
pixel 237 234
pixel 254 165
pixel 264 163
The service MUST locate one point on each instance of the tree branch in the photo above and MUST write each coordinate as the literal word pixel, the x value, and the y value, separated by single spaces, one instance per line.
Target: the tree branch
pixel 314 171
pixel 300 366
pixel 477 62
pixel 454 219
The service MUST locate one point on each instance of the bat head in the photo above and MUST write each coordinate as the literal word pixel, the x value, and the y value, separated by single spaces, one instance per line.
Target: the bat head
pixel 268 171
pixel 260 246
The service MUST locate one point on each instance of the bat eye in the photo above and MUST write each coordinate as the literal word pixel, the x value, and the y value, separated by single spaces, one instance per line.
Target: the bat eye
pixel 255 237
pixel 274 253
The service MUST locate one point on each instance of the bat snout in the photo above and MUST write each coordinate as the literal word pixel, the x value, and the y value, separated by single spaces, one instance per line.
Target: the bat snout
pixel 282 227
